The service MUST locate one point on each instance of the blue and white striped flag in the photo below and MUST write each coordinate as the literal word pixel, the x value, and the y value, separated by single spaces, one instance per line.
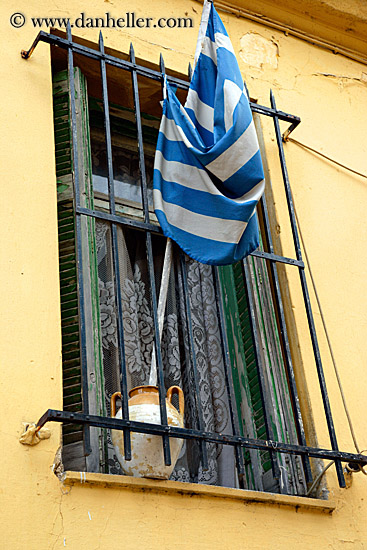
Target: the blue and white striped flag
pixel 208 175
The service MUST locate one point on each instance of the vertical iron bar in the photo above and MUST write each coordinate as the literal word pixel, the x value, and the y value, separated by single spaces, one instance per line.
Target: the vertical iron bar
pixel 157 343
pixel 150 258
pixel 197 399
pixel 240 463
pixel 192 353
pixel 107 125
pixel 262 385
pixel 285 341
pixel 78 226
pixel 246 90
pixel 139 130
pixel 115 254
pixel 189 72
pixel 315 346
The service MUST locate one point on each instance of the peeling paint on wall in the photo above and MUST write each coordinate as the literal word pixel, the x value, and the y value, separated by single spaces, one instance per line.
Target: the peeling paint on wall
pixel 258 51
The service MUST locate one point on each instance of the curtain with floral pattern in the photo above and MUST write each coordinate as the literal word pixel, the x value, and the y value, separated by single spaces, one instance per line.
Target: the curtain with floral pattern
pixel 138 338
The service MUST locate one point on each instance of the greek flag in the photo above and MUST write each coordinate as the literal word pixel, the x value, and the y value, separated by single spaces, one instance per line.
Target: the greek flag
pixel 208 175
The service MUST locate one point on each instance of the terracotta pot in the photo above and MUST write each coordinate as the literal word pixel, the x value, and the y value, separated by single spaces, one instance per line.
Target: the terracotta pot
pixel 147 458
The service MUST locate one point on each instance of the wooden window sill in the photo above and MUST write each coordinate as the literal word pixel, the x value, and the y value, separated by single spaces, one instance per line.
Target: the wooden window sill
pixel 176 487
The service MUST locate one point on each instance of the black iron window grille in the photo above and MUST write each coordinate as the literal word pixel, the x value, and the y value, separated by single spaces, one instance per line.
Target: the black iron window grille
pixel 86 213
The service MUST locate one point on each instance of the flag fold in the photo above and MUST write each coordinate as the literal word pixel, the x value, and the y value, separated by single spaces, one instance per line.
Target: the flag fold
pixel 208 174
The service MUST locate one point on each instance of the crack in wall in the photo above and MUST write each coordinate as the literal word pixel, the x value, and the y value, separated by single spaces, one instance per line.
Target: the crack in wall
pixel 61 516
pixel 362 79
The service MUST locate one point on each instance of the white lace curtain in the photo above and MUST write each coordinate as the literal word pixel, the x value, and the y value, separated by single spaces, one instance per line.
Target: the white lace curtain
pixel 138 337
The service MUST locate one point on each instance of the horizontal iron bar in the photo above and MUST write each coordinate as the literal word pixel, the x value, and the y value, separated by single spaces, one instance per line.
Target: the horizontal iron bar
pixel 268 111
pixel 96 54
pixel 144 71
pixel 52 415
pixel 157 229
pixel 119 219
pixel 276 258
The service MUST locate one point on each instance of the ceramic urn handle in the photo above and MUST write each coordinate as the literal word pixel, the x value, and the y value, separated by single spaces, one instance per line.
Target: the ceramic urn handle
pixel 181 400
pixel 114 397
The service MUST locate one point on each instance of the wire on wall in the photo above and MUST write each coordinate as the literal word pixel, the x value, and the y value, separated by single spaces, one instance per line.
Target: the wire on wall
pixel 336 370
pixel 325 157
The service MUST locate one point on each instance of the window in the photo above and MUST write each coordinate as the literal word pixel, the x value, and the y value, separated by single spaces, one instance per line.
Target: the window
pixel 101 315
pixel 225 337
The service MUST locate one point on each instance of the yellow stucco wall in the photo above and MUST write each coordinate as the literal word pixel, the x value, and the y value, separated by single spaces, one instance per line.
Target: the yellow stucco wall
pixel 329 93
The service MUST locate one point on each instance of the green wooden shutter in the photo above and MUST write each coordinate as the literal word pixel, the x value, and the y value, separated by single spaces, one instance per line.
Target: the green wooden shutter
pixel 241 352
pixel 245 375
pixel 72 396
pixel 73 452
